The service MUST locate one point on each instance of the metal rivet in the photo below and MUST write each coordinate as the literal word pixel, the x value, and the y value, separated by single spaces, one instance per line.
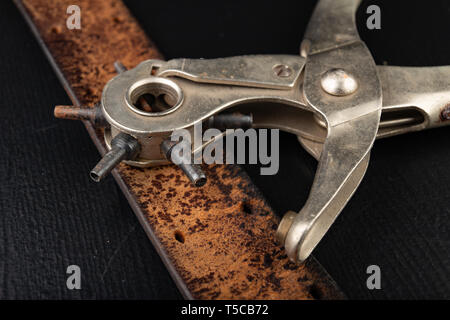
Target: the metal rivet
pixel 445 114
pixel 282 70
pixel 285 226
pixel 338 82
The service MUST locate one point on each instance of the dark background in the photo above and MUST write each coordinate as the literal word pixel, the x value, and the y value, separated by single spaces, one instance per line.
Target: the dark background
pixel 52 215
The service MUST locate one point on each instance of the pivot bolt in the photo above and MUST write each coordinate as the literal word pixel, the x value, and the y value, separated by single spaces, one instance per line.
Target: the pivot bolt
pixel 338 82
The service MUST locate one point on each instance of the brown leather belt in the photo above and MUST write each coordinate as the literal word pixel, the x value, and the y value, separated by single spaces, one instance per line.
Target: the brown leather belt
pixel 216 241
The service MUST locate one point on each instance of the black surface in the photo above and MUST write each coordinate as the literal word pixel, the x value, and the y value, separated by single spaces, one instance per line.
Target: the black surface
pixel 53 216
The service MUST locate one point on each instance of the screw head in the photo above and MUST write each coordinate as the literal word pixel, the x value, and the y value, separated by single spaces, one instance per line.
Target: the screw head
pixel 338 82
pixel 282 70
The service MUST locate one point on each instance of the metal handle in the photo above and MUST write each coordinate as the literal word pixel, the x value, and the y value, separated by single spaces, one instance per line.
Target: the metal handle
pixel 420 94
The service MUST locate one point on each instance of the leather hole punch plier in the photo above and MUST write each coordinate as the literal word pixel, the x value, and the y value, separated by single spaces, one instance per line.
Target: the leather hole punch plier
pixel 332 96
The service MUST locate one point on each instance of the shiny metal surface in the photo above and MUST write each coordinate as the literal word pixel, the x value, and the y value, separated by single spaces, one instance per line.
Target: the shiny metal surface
pixel 332 96
pixel 338 82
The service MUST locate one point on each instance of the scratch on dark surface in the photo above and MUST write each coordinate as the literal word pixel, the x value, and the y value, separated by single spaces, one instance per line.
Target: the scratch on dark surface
pixel 119 247
pixel 45 128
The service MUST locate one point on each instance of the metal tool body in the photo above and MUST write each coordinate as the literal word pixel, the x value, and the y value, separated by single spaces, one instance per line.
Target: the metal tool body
pixel 333 97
